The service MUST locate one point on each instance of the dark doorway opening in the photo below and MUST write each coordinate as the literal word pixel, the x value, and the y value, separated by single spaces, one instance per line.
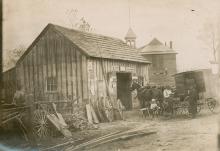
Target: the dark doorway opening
pixel 123 89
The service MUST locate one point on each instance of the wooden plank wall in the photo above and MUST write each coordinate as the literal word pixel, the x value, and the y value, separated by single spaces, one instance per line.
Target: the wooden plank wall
pixel 9 84
pixel 54 56
pixel 96 81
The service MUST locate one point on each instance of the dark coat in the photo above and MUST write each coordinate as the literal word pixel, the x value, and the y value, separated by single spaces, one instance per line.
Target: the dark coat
pixel 193 97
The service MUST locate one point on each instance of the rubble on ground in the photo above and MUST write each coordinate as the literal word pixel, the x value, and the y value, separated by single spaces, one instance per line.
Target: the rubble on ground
pixel 77 120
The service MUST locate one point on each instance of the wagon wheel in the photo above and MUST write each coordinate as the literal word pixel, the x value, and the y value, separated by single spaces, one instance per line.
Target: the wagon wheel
pixel 185 107
pixel 179 110
pixel 199 107
pixel 185 110
pixel 40 124
pixel 211 104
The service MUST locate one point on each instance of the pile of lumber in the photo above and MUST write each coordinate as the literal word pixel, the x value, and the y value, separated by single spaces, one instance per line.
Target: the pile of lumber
pixel 105 109
pixel 77 120
pixel 115 136
pixel 58 121
pixel 97 111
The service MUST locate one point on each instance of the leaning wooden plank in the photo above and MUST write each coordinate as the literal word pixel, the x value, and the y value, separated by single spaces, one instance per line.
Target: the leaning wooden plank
pixel 94 116
pixel 93 141
pixel 117 135
pixel 60 117
pixel 60 145
pixel 88 112
pixel 138 134
pixel 121 138
pixel 110 139
pixel 102 118
pixel 55 121
pixel 107 137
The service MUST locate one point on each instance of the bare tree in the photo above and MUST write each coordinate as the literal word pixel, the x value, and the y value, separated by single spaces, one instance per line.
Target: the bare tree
pixel 71 15
pixel 210 36
pixel 78 23
pixel 11 56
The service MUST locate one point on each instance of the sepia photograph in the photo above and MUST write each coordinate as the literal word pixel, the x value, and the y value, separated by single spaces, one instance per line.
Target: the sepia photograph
pixel 110 75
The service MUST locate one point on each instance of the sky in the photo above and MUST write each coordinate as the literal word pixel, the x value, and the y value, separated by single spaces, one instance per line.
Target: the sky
pixel 180 21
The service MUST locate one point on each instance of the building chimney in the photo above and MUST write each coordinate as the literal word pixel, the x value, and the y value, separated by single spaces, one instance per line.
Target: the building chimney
pixel 171 45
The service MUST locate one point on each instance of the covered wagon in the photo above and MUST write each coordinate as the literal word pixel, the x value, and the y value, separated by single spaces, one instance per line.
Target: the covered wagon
pixel 202 80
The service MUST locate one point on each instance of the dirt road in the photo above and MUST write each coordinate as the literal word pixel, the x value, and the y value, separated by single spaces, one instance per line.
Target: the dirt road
pixel 182 134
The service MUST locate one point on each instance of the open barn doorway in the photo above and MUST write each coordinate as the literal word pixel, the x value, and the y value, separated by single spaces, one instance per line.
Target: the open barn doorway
pixel 123 89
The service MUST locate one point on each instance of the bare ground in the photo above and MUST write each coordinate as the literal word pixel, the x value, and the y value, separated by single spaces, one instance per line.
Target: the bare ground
pixel 178 133
pixel 182 134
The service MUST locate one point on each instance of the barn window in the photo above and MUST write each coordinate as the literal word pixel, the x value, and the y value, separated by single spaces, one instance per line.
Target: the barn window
pixel 51 84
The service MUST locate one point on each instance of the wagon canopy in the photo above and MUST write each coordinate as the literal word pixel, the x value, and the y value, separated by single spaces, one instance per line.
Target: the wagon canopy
pixel 197 78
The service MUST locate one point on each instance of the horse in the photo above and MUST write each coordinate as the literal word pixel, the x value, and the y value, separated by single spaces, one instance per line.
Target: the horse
pixel 144 94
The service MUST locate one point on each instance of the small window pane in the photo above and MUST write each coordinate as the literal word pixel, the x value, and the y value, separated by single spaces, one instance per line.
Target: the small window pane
pixel 51 84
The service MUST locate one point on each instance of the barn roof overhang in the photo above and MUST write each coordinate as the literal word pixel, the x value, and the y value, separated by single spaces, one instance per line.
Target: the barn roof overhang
pixel 124 56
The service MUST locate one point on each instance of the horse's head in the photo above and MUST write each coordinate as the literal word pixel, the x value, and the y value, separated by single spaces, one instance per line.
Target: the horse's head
pixel 134 86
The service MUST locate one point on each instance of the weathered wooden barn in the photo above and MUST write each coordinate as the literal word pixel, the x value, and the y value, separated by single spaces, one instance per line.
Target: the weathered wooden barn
pixel 65 63
pixel 163 58
pixel 9 84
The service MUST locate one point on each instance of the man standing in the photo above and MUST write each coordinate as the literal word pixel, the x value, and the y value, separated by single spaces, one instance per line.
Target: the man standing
pixel 193 96
pixel 168 102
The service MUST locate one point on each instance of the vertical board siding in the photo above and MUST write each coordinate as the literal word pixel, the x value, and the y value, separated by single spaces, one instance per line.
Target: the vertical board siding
pixel 79 76
pixel 98 81
pixel 55 56
pixel 63 70
pixel 73 78
pixel 24 74
pixel 9 83
pixel 56 66
pixel 69 73
pixel 31 74
pixel 84 77
pixel 65 66
pixel 38 72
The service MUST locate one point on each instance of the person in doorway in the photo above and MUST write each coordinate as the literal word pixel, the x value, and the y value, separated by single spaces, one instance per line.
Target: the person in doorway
pixel 193 97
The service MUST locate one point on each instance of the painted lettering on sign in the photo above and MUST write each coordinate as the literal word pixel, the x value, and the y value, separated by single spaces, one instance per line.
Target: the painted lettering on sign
pixel 122 68
pixel 115 68
pixel 129 69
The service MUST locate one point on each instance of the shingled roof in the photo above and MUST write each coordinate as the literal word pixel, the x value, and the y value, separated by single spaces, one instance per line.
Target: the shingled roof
pixel 156 47
pixel 96 45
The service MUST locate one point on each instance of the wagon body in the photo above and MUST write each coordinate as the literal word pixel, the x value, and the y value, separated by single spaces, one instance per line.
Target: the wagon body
pixel 201 79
